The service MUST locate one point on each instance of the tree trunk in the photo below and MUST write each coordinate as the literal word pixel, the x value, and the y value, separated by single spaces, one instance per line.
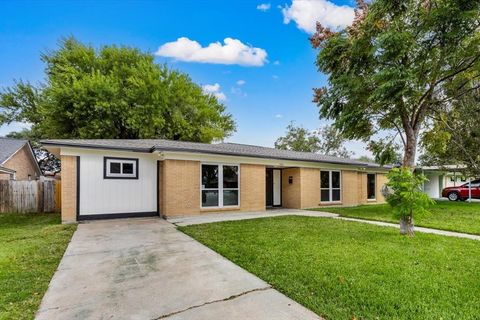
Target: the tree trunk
pixel 406 226
pixel 410 149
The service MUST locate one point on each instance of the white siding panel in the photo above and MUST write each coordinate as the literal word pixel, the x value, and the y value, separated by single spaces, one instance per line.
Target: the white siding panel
pixel 432 186
pixel 103 196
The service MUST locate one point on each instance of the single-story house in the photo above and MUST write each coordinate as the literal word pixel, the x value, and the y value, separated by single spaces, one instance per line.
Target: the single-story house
pixel 132 178
pixel 17 160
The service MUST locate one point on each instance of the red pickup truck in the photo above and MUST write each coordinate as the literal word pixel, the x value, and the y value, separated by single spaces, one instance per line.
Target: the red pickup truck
pixel 461 192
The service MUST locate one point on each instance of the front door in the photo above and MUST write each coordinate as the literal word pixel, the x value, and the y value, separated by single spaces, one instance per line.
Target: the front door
pixel 269 188
pixel 273 186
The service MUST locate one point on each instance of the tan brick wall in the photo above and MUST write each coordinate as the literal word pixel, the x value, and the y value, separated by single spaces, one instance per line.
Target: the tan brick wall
pixel 362 188
pixel 381 180
pixel 350 188
pixel 180 188
pixel 69 189
pixel 252 187
pixel 310 187
pixel 4 176
pixel 22 163
pixel 161 194
pixel 291 193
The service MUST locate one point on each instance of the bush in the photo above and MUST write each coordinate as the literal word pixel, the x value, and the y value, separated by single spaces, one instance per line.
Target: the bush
pixel 406 197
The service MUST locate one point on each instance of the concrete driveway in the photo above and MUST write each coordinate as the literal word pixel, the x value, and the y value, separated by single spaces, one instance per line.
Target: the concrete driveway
pixel 146 269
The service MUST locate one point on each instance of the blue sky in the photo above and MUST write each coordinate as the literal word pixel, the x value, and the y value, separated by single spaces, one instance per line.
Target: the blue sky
pixel 267 83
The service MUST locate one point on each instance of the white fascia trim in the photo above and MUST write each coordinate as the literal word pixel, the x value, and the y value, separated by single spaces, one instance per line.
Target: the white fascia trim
pixel 7 170
pixel 224 159
pixel 66 151
pixel 278 163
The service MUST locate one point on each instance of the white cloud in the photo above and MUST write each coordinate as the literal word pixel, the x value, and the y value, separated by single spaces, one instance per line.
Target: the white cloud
pixel 306 13
pixel 238 91
pixel 279 116
pixel 276 62
pixel 275 77
pixel 263 7
pixel 232 51
pixel 214 89
pixel 241 82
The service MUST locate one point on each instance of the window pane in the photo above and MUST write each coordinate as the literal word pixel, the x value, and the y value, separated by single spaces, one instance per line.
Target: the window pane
pixel 324 179
pixel 127 168
pixel 230 177
pixel 370 186
pixel 209 198
pixel 230 197
pixel 325 195
pixel 335 179
pixel 210 176
pixel 115 167
pixel 336 195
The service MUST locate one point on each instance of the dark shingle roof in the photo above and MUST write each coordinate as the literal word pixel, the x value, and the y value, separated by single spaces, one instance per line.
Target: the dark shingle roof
pixel 9 146
pixel 234 149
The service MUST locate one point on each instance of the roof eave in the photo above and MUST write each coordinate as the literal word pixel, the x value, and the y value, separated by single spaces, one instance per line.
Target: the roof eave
pixel 92 146
pixel 160 149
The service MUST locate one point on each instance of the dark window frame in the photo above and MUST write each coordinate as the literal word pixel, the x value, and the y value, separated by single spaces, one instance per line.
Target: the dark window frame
pixel 220 187
pixel 374 186
pixel 121 160
pixel 330 188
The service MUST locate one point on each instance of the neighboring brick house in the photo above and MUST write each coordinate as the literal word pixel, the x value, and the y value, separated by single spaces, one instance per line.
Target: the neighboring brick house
pixel 17 160
pixel 128 178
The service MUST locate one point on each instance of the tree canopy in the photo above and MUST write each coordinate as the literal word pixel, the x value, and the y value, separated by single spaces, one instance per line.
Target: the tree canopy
pixel 113 92
pixel 326 140
pixel 454 135
pixel 396 66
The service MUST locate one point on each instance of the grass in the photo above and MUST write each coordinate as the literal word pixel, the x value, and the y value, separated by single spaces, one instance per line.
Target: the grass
pixel 349 270
pixel 31 248
pixel 452 216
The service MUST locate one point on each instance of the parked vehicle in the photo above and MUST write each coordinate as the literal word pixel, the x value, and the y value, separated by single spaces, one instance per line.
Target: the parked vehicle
pixel 462 192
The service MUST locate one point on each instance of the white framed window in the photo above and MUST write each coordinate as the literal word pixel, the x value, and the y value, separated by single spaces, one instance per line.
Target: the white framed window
pixel 220 185
pixel 120 168
pixel 371 186
pixel 330 186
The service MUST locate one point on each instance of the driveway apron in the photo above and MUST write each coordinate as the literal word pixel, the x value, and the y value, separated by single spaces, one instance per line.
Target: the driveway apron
pixel 146 269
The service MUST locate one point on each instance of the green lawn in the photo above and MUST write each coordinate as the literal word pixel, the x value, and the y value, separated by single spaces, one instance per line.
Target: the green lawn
pixel 350 270
pixel 31 246
pixel 445 215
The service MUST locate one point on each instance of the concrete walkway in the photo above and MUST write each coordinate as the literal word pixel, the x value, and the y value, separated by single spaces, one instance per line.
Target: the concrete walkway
pixel 146 269
pixel 232 216
pixel 417 229
pixel 217 217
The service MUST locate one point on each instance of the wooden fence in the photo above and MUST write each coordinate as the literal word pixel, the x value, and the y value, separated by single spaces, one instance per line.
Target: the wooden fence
pixel 30 196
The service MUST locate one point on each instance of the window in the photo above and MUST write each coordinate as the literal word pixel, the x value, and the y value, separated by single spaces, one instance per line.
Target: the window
pixel 474 183
pixel 330 189
pixel 219 185
pixel 371 184
pixel 120 168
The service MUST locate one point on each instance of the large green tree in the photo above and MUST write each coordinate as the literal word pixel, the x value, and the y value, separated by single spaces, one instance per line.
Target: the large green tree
pixel 394 68
pixel 454 135
pixel 113 92
pixel 390 69
pixel 327 140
